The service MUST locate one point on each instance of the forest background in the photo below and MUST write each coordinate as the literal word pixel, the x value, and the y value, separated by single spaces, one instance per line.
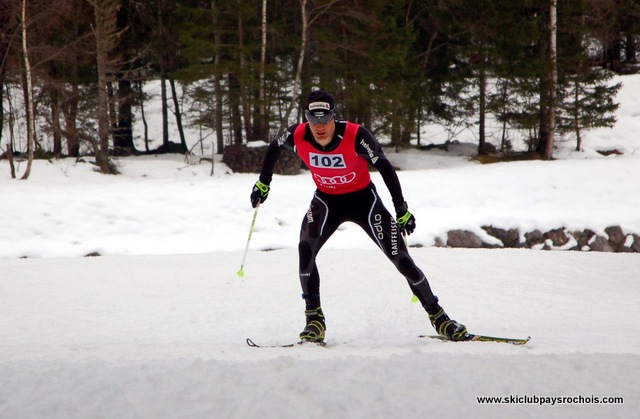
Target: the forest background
pixel 72 71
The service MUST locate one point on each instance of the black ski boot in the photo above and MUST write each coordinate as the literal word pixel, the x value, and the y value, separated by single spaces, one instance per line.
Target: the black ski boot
pixel 446 327
pixel 314 330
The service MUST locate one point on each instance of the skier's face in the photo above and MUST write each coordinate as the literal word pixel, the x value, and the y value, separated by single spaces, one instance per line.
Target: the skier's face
pixel 323 133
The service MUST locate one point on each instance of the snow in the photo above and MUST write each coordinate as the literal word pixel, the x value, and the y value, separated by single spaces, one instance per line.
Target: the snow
pixel 156 326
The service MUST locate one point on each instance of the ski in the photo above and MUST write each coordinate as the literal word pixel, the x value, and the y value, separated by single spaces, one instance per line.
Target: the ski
pixel 469 338
pixel 481 338
pixel 288 345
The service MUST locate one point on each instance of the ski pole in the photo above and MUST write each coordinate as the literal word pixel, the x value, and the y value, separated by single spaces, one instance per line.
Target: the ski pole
pixel 246 248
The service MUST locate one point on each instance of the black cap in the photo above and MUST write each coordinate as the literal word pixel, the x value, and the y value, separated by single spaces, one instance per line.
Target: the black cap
pixel 320 107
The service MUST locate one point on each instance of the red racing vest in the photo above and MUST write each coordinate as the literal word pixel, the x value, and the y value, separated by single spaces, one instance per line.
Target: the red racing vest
pixel 337 171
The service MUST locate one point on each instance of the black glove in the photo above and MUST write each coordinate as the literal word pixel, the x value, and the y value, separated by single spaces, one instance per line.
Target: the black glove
pixel 404 219
pixel 259 193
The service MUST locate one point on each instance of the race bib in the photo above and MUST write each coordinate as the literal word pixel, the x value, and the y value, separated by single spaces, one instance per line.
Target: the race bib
pixel 327 161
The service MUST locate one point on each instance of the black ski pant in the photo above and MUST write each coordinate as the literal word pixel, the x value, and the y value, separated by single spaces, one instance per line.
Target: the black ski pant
pixel 365 208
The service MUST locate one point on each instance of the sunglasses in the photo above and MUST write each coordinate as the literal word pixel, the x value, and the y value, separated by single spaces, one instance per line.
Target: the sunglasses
pixel 315 120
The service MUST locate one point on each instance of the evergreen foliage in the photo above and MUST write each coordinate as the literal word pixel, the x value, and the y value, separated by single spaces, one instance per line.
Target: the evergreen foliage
pixel 393 65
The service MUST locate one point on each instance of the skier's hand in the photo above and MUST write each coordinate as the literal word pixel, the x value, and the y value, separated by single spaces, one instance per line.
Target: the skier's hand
pixel 259 193
pixel 404 219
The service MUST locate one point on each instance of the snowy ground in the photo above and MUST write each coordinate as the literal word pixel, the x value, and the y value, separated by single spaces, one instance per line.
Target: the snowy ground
pixel 156 326
pixel 161 205
pixel 163 336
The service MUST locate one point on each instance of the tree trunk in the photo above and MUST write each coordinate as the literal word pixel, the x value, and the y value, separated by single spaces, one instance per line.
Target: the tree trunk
pixel 10 124
pixel 482 108
pixel 55 122
pixel 123 137
pixel 548 86
pixel 243 91
pixel 70 111
pixel 164 109
pixel 143 116
pixel 631 48
pixel 298 76
pixel 260 123
pixel 576 118
pixel 113 112
pixel 178 115
pixel 105 16
pixel 28 89
pixel 217 85
pixel 613 53
pixel 234 109
pixel 163 83
pixel 548 152
pixel 70 114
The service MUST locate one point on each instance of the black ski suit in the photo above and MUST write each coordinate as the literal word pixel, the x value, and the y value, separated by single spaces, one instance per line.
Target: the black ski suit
pixel 364 207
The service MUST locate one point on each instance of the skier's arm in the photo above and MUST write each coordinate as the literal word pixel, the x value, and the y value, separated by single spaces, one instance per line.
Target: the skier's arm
pixel 368 147
pixel 273 154
pixel 260 190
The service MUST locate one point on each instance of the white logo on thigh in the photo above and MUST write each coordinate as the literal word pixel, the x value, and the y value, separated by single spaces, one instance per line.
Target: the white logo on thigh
pixel 335 180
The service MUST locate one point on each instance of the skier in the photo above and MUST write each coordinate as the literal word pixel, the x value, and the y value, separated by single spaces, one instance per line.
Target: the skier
pixel 337 153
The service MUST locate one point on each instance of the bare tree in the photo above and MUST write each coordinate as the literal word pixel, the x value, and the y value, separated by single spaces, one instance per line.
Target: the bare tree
pixel 217 80
pixel 263 63
pixel 106 36
pixel 308 17
pixel 548 88
pixel 553 24
pixel 29 101
pixel 244 100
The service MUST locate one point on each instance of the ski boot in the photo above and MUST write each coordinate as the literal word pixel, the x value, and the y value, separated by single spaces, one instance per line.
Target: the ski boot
pixel 314 330
pixel 446 327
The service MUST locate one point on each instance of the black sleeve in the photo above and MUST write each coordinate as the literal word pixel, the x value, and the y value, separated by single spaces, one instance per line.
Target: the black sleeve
pixel 273 153
pixel 368 147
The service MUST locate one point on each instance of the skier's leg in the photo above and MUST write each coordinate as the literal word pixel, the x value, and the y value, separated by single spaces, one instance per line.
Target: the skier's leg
pixel 380 225
pixel 318 225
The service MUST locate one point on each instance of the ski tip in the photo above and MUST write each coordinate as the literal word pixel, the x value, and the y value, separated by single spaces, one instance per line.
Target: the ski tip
pixel 255 345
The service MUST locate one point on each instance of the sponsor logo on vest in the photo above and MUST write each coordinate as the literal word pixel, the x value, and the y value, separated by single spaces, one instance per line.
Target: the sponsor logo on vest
pixel 335 180
pixel 369 151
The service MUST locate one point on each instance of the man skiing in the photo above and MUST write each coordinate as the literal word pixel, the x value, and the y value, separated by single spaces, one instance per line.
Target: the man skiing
pixel 337 154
